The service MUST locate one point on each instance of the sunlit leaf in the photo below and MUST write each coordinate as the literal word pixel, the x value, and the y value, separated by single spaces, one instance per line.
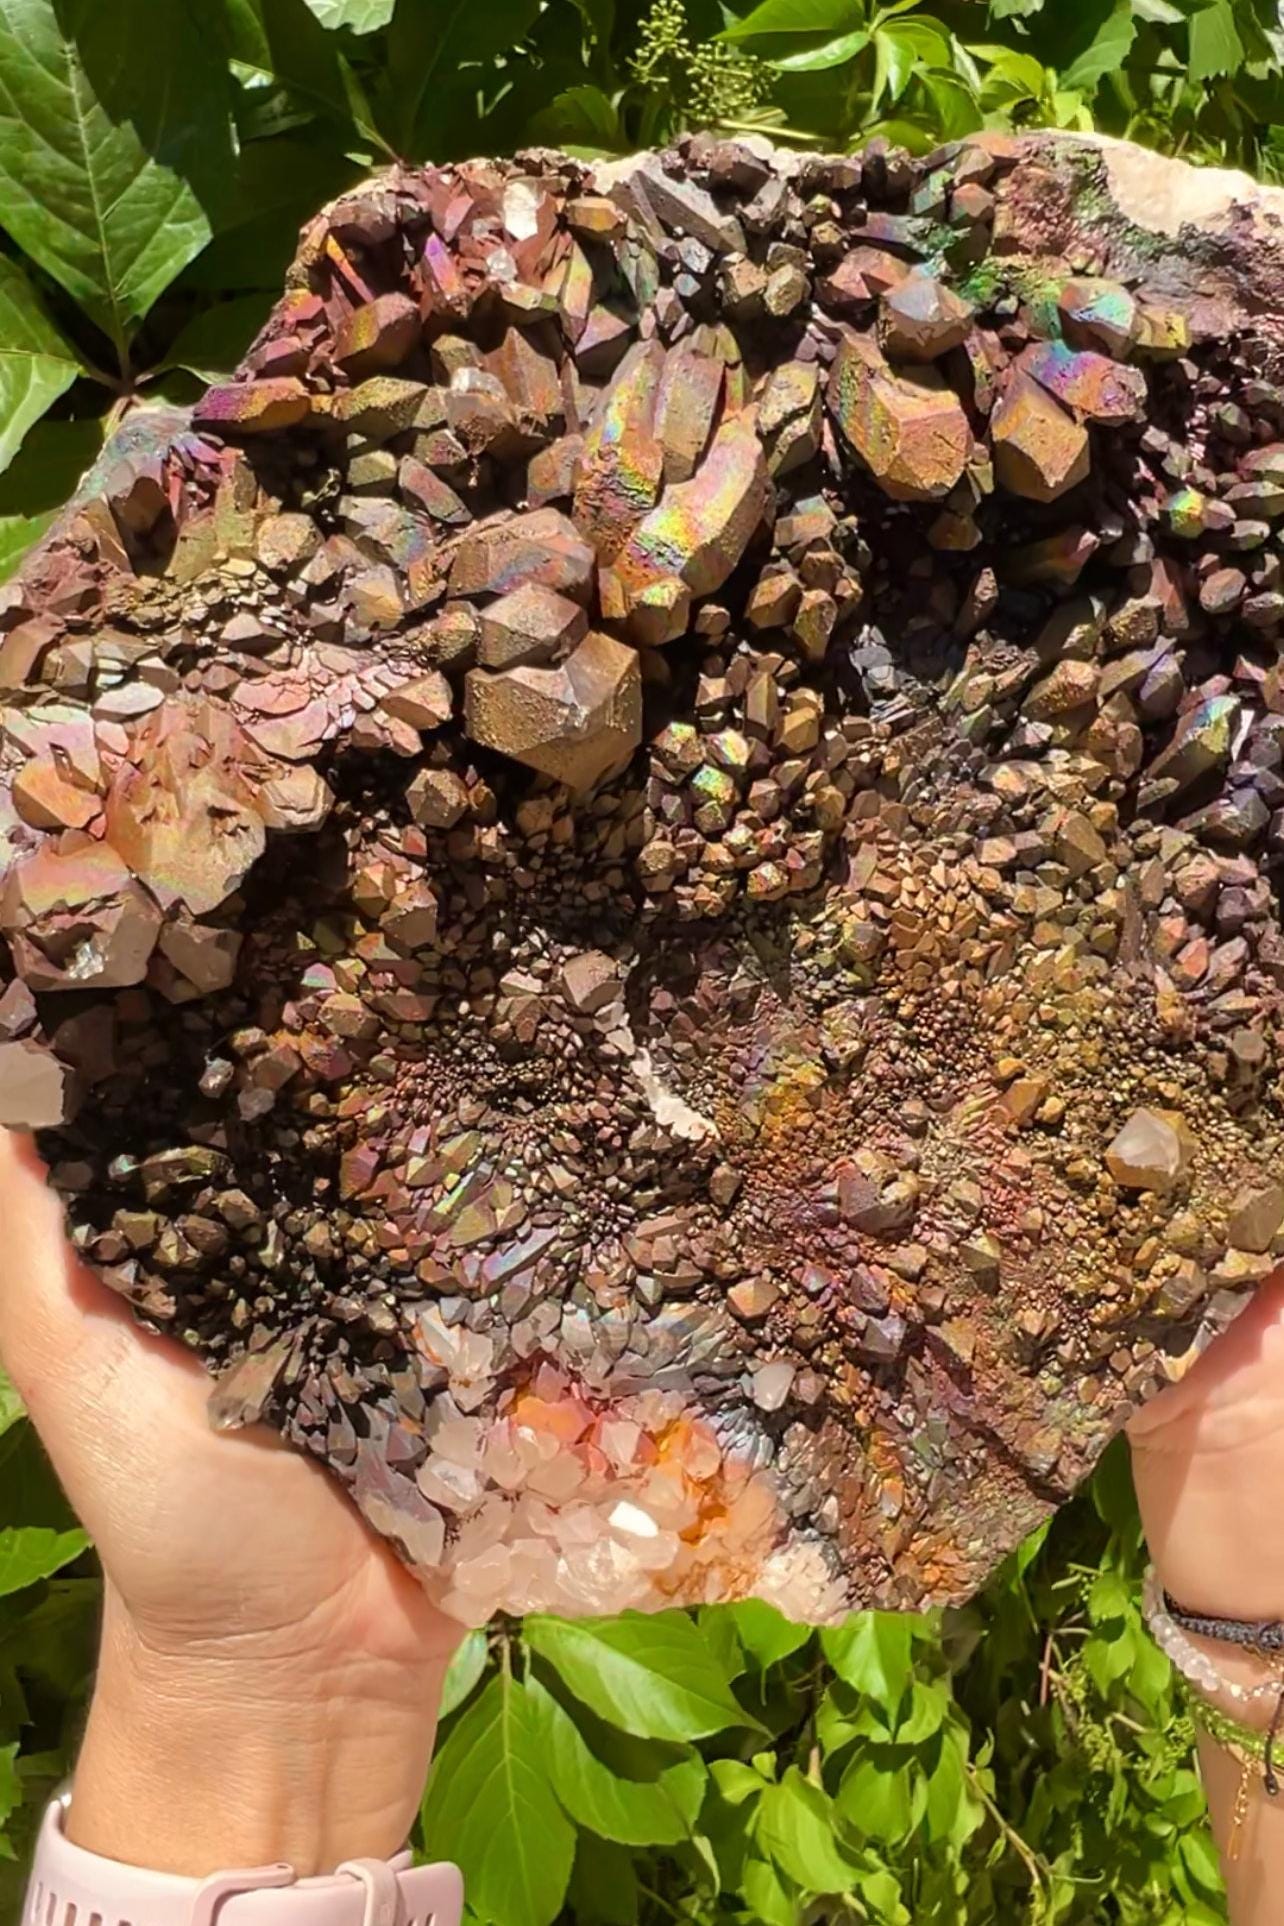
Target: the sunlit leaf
pixel 812 60
pixel 651 1675
pixel 957 109
pixel 116 158
pixel 871 1651
pixel 359 16
pixel 37 363
pixel 798 16
pixel 11 1405
pixel 463 1673
pixel 767 1896
pixel 878 1798
pixel 766 1634
pixel 1215 45
pixel 796 1824
pixel 490 1808
pixel 618 1787
pixel 1104 52
pixel 902 46
pixel 283 41
pixel 10 1783
pixel 29 1553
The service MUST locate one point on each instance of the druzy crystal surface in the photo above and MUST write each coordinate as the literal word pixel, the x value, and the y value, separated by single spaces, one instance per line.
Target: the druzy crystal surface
pixel 640 870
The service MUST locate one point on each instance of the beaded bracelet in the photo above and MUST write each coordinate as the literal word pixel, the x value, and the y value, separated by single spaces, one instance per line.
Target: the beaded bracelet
pixel 1194 1665
pixel 1245 1745
pixel 1201 1678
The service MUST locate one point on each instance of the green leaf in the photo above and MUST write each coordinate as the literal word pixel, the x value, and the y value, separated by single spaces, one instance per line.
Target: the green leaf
pixel 1108 1598
pixel 1032 1544
pixel 1105 52
pixel 877 1799
pixel 871 1650
pixel 1215 45
pixel 428 42
pixel 213 341
pixel 620 1788
pixel 811 60
pixel 32 1493
pixel 583 119
pixel 1200 1857
pixel 116 156
pixel 956 106
pixel 490 1808
pixel 718 1630
pixel 901 48
pixel 598 17
pixel 796 1823
pixel 29 1553
pixel 768 1898
pixel 359 16
pixel 798 16
pixel 735 1781
pixel 282 182
pixel 10 1784
pixel 36 363
pixel 463 1673
pixel 766 1634
pixel 604 1884
pixel 929 1702
pixel 11 1405
pixel 282 41
pixel 1113 1496
pixel 954 1810
pixel 654 1676
pixel 49 1635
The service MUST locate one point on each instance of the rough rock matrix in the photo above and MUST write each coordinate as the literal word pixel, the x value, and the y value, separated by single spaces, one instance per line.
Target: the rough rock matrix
pixel 640 871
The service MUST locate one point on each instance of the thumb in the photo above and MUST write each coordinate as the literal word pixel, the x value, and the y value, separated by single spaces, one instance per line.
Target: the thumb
pixel 90 1377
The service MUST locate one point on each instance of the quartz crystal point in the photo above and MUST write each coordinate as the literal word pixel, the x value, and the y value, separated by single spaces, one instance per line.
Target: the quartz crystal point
pixel 638 871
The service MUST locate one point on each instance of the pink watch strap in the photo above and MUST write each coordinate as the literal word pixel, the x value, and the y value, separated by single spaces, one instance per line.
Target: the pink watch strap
pixel 72 1887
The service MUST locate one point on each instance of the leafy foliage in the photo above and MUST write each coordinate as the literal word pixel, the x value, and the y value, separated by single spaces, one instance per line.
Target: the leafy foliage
pixel 1026 1758
pixel 157 156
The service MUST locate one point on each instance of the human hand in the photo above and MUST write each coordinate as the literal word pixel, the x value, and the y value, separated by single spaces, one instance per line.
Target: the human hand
pixel 1208 1461
pixel 269 1673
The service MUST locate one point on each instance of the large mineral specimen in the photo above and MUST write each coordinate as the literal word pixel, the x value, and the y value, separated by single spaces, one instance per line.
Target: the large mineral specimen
pixel 640 870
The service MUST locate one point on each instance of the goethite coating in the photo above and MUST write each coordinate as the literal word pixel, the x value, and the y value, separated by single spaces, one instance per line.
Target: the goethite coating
pixel 640 869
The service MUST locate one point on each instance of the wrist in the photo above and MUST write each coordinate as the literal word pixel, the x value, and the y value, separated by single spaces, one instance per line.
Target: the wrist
pixel 197 1760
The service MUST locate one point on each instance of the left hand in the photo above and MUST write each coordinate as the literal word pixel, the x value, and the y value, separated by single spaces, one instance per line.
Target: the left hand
pixel 270 1673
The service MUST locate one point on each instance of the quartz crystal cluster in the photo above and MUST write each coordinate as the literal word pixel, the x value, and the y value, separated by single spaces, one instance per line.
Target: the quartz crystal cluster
pixel 639 872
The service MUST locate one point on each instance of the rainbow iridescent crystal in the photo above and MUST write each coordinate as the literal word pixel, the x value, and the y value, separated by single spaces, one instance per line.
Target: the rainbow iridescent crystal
pixel 639 871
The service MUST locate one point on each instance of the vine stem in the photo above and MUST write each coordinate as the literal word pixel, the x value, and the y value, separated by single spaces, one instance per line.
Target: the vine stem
pixel 659 1900
pixel 1045 1667
pixel 1033 1864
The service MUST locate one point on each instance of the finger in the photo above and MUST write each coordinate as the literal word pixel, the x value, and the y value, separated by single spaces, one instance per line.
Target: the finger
pixel 1219 1404
pixel 75 1354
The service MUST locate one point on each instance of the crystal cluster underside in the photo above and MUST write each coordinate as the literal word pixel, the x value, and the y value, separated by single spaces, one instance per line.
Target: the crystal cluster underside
pixel 639 871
